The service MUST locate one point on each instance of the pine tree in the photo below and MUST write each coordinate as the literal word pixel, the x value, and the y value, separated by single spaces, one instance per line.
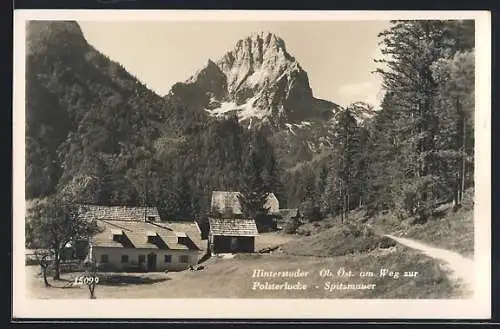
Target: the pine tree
pixel 343 186
pixel 412 48
pixel 254 193
pixel 310 205
pixel 423 122
pixel 455 77
pixel 383 158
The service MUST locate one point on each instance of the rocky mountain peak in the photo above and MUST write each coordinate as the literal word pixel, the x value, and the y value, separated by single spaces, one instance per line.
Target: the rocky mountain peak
pixel 260 81
pixel 264 41
pixel 255 60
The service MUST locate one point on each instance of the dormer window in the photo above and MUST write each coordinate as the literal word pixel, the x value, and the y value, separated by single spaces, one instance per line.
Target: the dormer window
pixel 117 235
pixel 151 218
pixel 182 237
pixel 151 236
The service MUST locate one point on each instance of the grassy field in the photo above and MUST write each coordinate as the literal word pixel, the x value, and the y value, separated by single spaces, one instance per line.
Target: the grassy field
pixel 232 277
pixel 339 240
pixel 273 239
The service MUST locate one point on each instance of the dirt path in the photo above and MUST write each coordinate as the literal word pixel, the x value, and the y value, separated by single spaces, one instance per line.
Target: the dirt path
pixel 462 268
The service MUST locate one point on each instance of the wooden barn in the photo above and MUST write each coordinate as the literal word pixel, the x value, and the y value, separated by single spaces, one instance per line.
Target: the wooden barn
pixel 232 235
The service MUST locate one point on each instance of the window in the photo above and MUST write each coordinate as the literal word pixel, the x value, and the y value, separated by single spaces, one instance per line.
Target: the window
pixel 168 258
pixel 184 259
pixel 151 218
pixel 142 259
pixel 104 259
pixel 124 258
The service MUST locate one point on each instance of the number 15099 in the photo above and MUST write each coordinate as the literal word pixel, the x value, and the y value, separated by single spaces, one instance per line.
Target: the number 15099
pixel 86 280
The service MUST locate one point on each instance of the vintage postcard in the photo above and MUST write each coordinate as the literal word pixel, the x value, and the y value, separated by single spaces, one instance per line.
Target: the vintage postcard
pixel 251 164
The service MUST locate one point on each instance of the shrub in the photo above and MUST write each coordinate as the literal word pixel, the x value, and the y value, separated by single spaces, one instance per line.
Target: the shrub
pixel 386 242
pixel 292 224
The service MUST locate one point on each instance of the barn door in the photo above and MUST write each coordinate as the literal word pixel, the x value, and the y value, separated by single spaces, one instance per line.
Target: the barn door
pixel 234 244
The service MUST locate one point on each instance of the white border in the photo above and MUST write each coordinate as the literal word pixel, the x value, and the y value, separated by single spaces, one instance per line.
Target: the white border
pixel 476 308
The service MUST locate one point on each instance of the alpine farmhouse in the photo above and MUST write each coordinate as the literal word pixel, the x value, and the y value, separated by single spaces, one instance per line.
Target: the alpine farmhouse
pixel 135 239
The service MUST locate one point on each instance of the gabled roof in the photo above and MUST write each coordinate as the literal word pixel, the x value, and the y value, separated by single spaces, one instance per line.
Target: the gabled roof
pixel 141 234
pixel 233 227
pixel 222 200
pixel 121 213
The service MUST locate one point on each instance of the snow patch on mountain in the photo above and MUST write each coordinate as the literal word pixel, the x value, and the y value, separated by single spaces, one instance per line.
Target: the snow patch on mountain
pixel 224 108
pixel 290 128
pixel 303 124
pixel 244 111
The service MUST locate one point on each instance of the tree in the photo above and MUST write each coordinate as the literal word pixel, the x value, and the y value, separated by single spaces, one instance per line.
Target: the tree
pixel 259 177
pixel 91 274
pixel 254 193
pixel 417 109
pixel 456 85
pixel 310 205
pixel 292 224
pixel 382 158
pixel 344 165
pixel 55 223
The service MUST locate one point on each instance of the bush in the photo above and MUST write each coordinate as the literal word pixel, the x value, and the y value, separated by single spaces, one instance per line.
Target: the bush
pixel 292 224
pixel 386 242
pixel 312 214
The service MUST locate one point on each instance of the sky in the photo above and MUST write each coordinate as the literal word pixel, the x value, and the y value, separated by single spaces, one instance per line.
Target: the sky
pixel 337 55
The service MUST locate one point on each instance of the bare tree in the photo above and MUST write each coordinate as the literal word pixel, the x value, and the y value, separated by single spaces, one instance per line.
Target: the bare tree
pixel 93 278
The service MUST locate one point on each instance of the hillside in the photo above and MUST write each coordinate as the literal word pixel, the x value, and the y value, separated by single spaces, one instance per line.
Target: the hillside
pixel 79 102
pixel 451 229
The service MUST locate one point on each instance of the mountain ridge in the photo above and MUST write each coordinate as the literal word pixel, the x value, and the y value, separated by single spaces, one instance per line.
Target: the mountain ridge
pixel 260 82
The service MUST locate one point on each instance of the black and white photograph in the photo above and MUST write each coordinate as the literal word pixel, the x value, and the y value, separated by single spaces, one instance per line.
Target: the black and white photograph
pixel 267 159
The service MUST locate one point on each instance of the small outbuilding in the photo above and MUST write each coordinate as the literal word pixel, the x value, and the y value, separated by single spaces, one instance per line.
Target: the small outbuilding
pixel 232 235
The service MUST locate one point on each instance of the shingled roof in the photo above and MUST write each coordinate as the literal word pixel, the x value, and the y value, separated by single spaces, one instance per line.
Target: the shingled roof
pixel 142 234
pixel 122 213
pixel 233 227
pixel 133 227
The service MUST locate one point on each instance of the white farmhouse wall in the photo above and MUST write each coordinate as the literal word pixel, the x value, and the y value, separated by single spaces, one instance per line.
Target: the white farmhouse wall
pixel 115 257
